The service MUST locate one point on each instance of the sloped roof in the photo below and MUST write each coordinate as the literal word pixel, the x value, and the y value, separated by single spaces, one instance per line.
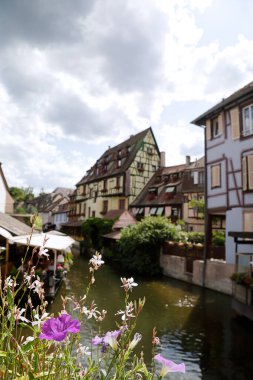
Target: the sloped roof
pixel 230 101
pixel 14 226
pixel 125 219
pixel 111 156
pixel 160 182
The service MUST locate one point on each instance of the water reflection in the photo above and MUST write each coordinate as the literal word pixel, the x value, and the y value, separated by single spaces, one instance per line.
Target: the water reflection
pixel 195 326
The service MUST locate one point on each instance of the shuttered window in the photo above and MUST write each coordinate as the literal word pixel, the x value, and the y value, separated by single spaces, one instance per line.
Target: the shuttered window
pixel 247 172
pixel 248 220
pixel 235 123
pixel 247 120
pixel 216 176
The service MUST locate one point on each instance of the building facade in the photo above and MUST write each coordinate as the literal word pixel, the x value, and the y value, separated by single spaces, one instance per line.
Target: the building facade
pixel 169 193
pixel 229 165
pixel 6 200
pixel 117 177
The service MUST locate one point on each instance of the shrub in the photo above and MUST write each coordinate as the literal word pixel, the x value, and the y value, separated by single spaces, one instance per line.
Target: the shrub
pixel 93 230
pixel 196 237
pixel 218 238
pixel 139 245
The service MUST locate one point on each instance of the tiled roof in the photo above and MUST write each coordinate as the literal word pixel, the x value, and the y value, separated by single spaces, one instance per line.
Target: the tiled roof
pixel 107 164
pixel 125 219
pixel 238 95
pixel 160 182
pixel 14 226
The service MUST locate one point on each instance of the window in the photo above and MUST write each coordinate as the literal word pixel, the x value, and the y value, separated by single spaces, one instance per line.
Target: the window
pixel 104 185
pixel 122 204
pixel 170 189
pixel 247 172
pixel 105 207
pixel 119 163
pixel 149 150
pixel 152 210
pixel 216 176
pixel 247 120
pixel 140 166
pixel 215 128
pixel 118 181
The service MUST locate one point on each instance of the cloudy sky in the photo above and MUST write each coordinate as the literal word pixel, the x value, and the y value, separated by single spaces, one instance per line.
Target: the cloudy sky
pixel 77 76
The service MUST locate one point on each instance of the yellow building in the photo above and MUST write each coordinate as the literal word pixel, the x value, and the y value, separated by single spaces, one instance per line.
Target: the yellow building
pixel 117 177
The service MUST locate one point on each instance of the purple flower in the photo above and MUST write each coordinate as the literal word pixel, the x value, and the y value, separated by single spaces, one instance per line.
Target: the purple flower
pixel 110 338
pixel 57 328
pixel 169 366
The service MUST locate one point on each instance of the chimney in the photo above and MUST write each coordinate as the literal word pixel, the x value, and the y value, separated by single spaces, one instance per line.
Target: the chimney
pixel 162 159
pixel 187 160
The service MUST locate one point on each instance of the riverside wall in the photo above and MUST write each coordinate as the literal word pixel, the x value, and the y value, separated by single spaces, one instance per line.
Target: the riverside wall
pixel 217 272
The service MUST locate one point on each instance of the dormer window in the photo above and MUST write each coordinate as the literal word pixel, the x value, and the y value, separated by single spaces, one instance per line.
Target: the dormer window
pixel 247 120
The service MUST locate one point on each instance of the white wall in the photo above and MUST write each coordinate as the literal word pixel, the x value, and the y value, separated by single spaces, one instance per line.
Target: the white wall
pixel 2 195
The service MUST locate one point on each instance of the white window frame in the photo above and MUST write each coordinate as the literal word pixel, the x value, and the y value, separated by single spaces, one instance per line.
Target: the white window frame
pixel 247 129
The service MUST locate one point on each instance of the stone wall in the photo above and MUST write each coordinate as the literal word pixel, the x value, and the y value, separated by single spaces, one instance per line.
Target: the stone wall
pixel 217 274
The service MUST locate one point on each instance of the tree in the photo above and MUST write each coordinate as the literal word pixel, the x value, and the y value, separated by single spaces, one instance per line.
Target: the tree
pixel 21 193
pixel 140 244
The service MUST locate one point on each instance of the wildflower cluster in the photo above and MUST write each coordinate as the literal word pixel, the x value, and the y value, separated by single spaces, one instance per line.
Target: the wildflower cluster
pixel 53 350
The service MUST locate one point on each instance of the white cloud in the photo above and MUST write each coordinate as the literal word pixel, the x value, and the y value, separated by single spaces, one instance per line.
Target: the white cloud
pixel 75 79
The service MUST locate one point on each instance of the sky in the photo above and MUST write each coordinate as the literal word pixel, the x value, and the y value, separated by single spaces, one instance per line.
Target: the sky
pixel 78 76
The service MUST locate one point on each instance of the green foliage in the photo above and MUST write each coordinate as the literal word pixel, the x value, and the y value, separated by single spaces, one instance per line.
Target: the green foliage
pixel 242 278
pixel 139 245
pixel 93 229
pixel 199 206
pixel 218 238
pixel 21 193
pixel 196 237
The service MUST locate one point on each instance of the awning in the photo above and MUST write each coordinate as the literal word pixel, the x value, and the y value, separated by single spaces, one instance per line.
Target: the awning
pixel 50 241
pixel 6 234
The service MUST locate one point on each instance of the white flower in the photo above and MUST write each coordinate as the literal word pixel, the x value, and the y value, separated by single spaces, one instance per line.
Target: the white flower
pixel 37 287
pixel 83 350
pixel 96 261
pixel 39 319
pixel 28 339
pixel 43 252
pixel 128 283
pixel 17 314
pixel 9 282
pixel 128 313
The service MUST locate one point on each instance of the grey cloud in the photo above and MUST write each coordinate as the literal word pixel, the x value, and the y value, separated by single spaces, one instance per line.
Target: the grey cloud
pixel 22 85
pixel 41 21
pixel 76 119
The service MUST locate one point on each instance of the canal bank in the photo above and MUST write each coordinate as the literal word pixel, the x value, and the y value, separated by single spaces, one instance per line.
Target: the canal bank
pixel 195 325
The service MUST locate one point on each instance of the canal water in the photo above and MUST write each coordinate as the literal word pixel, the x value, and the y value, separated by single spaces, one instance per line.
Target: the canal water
pixel 195 326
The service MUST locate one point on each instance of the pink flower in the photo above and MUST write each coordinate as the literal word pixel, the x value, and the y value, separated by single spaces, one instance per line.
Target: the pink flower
pixel 57 328
pixel 169 366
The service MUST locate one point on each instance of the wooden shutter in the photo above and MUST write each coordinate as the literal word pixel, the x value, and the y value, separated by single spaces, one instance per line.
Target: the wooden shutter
pixel 221 124
pixel 208 129
pixel 235 123
pixel 215 174
pixel 250 172
pixel 248 221
pixel 244 174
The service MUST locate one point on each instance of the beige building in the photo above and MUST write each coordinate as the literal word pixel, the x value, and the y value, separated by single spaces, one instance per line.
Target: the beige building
pixel 118 176
pixel 6 200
